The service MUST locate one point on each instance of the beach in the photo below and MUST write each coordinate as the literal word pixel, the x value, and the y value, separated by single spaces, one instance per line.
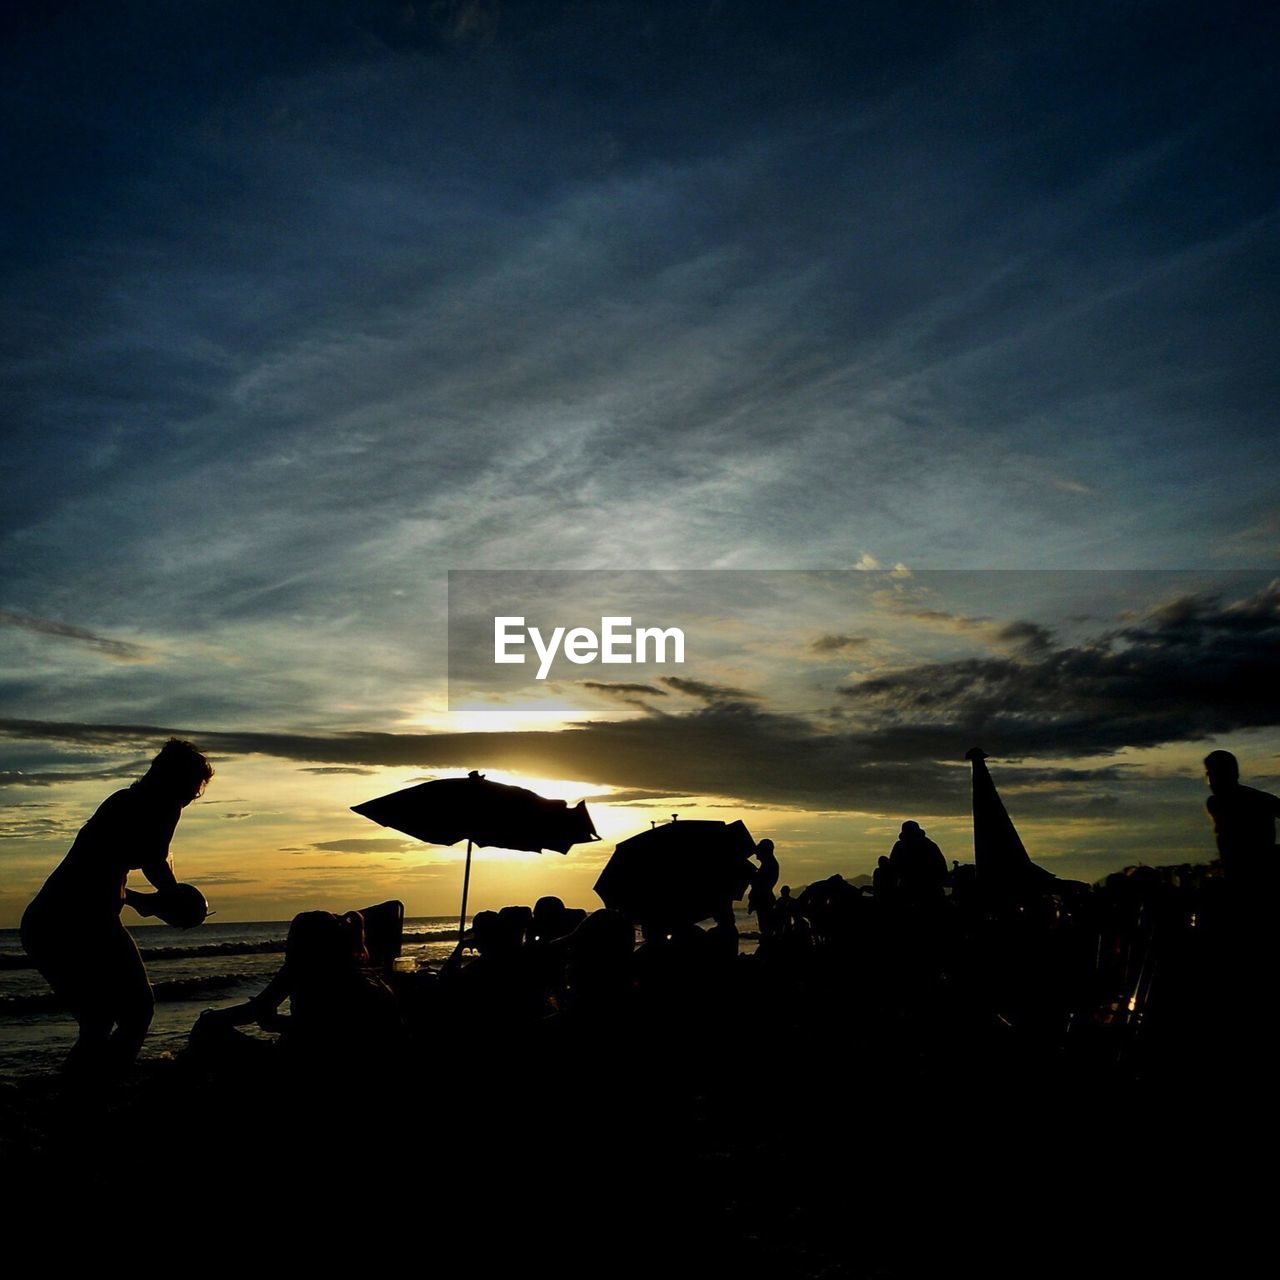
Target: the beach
pixel 191 971
pixel 217 965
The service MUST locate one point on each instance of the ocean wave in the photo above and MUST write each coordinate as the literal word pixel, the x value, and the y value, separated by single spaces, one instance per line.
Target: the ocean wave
pixel 164 992
pixel 270 946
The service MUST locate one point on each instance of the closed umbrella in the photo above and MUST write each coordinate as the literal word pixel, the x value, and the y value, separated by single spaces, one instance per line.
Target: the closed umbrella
pixel 998 852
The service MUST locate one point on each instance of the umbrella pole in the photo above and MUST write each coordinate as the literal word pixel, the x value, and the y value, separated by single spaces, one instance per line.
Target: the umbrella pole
pixel 466 885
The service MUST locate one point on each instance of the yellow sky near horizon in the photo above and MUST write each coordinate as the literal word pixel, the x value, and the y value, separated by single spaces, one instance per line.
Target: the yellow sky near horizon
pixel 274 837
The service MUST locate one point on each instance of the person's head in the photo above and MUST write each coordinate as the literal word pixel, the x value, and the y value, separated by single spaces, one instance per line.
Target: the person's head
pixel 321 944
pixel 764 848
pixel 512 925
pixel 180 770
pixel 485 934
pixel 910 830
pixel 548 908
pixel 882 861
pixel 1221 769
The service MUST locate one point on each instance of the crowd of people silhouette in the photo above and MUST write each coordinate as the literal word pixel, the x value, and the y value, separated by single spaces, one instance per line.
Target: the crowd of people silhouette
pixel 700 1099
pixel 1007 940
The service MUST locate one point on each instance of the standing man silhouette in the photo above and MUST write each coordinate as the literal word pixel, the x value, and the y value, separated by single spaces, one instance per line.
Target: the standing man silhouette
pixel 1244 822
pixel 72 930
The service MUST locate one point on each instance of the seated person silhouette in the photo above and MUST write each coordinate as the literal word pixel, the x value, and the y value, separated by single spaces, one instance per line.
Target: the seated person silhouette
pixel 551 924
pixel 341 1010
pixel 1244 823
pixel 500 986
pixel 72 930
pixel 598 964
pixel 552 920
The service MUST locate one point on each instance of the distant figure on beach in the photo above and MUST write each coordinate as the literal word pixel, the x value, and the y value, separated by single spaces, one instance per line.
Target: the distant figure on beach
pixel 882 878
pixel 918 867
pixel 1244 822
pixel 760 899
pixel 72 930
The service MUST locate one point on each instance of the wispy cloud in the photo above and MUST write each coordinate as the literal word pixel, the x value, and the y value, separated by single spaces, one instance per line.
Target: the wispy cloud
pixel 120 650
pixel 56 777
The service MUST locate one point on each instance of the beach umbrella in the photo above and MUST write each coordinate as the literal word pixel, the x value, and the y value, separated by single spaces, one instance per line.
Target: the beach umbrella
pixel 679 872
pixel 482 813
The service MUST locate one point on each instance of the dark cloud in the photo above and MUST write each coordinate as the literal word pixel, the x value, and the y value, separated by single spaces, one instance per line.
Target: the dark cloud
pixel 721 748
pixel 906 607
pixel 26 826
pixel 56 777
pixel 337 768
pixel 634 796
pixel 716 694
pixel 621 688
pixel 1025 776
pixel 1192 668
pixel 120 650
pixel 1196 666
pixel 1020 634
pixel 373 844
pixel 836 643
pixel 1025 635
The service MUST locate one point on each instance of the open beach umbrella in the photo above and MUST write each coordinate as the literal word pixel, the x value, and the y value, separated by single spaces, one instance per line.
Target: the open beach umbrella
pixel 679 871
pixel 483 813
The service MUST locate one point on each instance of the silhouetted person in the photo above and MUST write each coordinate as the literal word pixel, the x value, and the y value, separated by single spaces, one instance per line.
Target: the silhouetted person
pixel 500 986
pixel 918 867
pixel 760 899
pixel 552 920
pixel 1244 822
pixel 340 1010
pixel 598 956
pixel 786 908
pixel 72 930
pixel 882 878
pixel 830 907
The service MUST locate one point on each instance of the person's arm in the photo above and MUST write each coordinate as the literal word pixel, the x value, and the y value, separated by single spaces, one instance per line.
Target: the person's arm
pixel 154 839
pixel 159 874
pixel 453 965
pixel 260 1008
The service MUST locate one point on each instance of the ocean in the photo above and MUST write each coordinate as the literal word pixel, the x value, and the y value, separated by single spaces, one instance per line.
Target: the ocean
pixel 191 971
pixel 217 965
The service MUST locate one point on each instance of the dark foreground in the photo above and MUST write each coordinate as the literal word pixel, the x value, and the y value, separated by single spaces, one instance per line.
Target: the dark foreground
pixel 928 1091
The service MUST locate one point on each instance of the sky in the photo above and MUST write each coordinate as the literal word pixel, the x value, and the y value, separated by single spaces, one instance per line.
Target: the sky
pixel 311 303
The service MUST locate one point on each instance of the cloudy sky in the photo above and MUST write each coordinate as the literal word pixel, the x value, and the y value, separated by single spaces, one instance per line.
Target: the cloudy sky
pixel 310 303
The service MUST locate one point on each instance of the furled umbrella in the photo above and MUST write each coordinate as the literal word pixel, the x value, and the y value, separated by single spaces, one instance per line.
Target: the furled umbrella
pixel 483 813
pixel 678 872
pixel 998 851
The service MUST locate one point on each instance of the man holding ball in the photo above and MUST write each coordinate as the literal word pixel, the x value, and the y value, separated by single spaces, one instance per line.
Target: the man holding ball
pixel 72 930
